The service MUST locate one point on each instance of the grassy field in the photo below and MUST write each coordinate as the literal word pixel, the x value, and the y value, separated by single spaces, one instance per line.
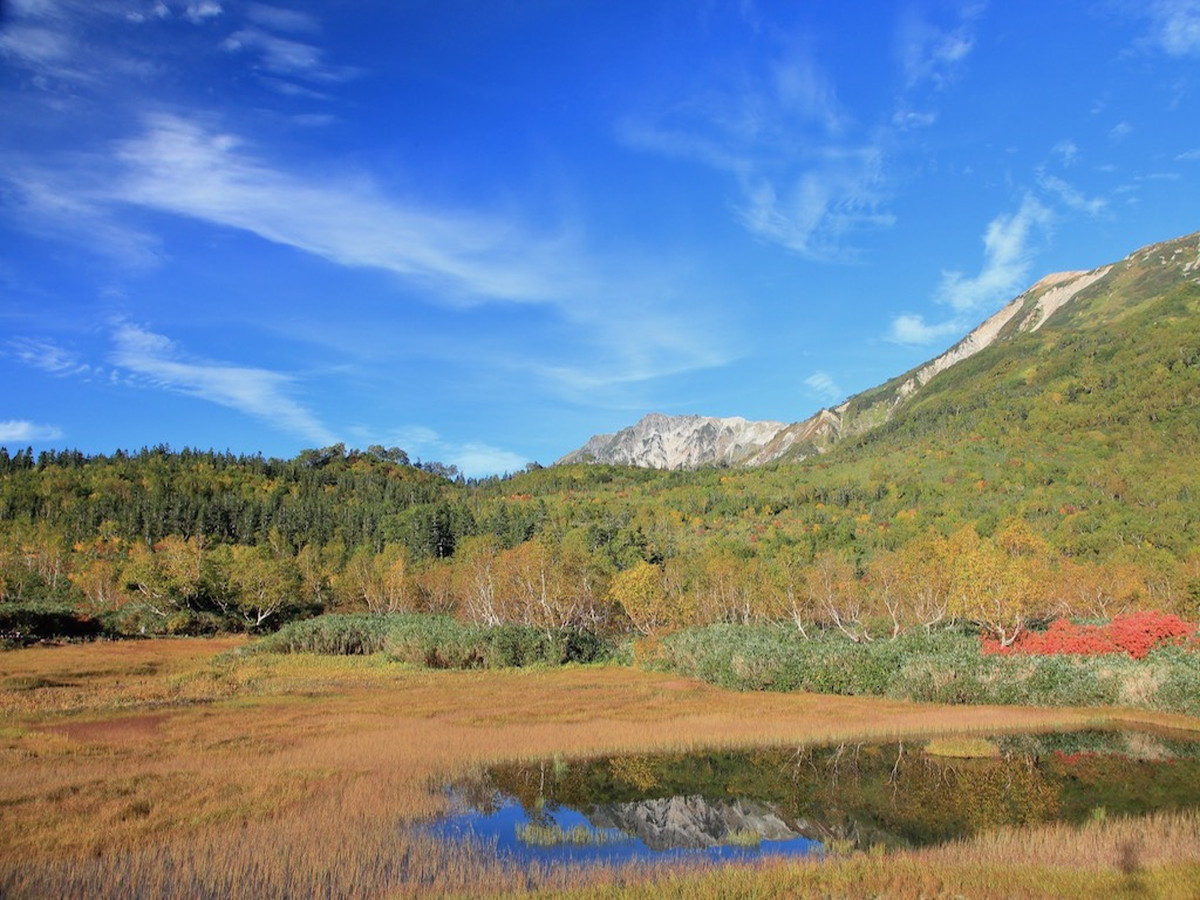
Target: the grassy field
pixel 183 768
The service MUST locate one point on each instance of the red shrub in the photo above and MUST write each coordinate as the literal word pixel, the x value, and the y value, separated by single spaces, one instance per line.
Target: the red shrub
pixel 1136 634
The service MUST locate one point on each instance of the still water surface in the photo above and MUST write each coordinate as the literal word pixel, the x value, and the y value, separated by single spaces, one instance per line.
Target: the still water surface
pixel 812 800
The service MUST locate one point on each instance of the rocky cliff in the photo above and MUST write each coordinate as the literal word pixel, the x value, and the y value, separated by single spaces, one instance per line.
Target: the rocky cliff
pixel 678 442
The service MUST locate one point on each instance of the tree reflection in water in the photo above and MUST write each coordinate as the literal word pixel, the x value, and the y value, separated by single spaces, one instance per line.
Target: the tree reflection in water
pixel 736 804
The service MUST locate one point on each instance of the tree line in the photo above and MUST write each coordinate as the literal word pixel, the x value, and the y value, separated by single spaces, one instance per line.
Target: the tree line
pixel 189 541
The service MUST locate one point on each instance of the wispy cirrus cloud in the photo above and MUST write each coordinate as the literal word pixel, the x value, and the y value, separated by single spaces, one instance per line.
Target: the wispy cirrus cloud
pixel 54 40
pixel 21 431
pixel 461 258
pixel 809 175
pixel 34 45
pixel 931 54
pixel 154 360
pixel 458 258
pixel 803 182
pixel 1174 25
pixel 179 166
pixel 1067 152
pixel 286 57
pixel 60 205
pixel 281 19
pixel 822 386
pixel 47 356
pixel 911 328
pixel 1071 197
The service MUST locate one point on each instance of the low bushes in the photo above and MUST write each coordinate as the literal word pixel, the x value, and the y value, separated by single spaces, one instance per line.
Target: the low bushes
pixel 437 642
pixel 767 657
pixel 335 635
pixel 1135 634
pixel 943 667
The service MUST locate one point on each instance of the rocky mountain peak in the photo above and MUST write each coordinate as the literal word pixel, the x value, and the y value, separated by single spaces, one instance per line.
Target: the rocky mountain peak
pixel 660 441
pixel 673 442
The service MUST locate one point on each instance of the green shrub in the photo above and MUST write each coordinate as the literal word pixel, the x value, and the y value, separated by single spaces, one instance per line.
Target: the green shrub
pixel 337 634
pixel 436 642
pixel 1178 688
pixel 941 667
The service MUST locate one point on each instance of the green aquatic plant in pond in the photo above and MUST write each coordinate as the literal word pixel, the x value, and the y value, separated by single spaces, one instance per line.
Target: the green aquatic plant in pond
pixel 887 796
pixel 963 748
pixel 743 837
pixel 538 835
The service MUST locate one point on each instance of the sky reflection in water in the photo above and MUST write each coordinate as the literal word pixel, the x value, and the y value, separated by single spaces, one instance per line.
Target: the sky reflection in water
pixel 729 805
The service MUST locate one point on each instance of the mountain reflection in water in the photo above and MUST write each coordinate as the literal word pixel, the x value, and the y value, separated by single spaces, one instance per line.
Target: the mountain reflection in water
pixel 811 800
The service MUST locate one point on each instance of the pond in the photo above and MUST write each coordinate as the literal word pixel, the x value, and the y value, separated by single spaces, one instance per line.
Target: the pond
pixel 815 800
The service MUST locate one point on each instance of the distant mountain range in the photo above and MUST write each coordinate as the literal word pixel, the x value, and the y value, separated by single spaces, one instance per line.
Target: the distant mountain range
pixel 692 441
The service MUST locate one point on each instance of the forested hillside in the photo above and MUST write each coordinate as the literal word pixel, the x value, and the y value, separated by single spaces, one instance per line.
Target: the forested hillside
pixel 1053 472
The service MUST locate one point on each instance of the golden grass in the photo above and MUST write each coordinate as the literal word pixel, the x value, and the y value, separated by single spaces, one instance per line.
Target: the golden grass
pixel 963 748
pixel 178 768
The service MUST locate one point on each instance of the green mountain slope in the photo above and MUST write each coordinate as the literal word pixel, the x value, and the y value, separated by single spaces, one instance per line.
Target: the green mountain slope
pixel 1070 438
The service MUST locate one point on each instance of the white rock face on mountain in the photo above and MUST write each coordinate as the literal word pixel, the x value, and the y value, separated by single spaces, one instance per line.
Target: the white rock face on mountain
pixel 1051 293
pixel 678 442
pixel 672 442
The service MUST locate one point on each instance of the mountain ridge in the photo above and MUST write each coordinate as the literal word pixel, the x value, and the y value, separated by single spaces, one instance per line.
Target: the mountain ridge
pixel 692 441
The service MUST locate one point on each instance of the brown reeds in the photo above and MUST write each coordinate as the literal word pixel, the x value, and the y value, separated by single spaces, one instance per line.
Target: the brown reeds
pixel 178 768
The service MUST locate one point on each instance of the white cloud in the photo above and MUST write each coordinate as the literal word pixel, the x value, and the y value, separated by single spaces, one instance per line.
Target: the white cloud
pixel 202 10
pixel 279 19
pixel 1067 151
pixel 814 212
pixel 473 459
pixel 1175 25
pixel 58 208
pixel 804 91
pixel 178 166
pixel 1072 197
pixel 284 56
pixel 933 55
pixel 16 431
pixel 1008 246
pixel 157 361
pixel 415 436
pixel 1007 256
pixel 458 257
pixel 1189 156
pixel 47 356
pixel 34 45
pixel 912 329
pixel 801 184
pixel 1120 131
pixel 809 177
pixel 805 180
pixel 904 119
pixel 822 385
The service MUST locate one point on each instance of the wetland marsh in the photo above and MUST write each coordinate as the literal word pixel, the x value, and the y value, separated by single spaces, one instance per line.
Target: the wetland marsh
pixel 161 767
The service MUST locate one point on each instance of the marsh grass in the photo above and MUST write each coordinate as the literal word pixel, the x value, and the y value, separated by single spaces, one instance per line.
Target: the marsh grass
pixel 180 768
pixel 963 748
pixel 940 667
pixel 537 835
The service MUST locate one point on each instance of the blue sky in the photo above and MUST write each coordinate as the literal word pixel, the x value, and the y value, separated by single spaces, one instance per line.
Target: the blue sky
pixel 484 231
